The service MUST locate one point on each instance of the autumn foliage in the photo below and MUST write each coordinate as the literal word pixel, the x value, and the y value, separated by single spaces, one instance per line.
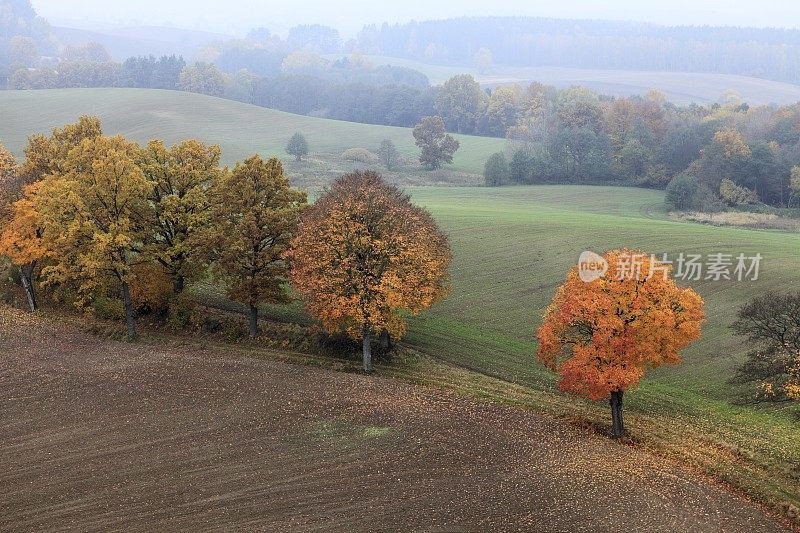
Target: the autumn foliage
pixel 601 336
pixel 255 214
pixel 103 218
pixel 181 177
pixel 364 256
pixel 108 224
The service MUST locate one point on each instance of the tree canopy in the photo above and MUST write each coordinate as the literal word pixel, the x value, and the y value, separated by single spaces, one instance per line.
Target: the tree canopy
pixel 601 335
pixel 255 214
pixel 297 146
pixel 364 256
pixel 437 145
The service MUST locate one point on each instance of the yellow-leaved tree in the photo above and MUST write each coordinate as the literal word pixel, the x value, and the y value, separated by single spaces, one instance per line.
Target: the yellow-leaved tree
pixel 601 335
pixel 93 213
pixel 182 176
pixel 364 255
pixel 253 217
pixel 20 238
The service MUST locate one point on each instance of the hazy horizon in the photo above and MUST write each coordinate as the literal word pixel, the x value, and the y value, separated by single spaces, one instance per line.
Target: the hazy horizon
pixel 238 17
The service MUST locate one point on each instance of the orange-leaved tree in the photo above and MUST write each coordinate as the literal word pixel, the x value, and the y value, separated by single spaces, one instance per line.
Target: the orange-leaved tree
pixel 17 242
pixel 253 217
pixel 601 335
pixel 364 255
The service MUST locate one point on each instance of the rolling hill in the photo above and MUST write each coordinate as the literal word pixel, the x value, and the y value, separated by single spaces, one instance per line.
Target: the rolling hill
pixel 240 129
pixel 512 247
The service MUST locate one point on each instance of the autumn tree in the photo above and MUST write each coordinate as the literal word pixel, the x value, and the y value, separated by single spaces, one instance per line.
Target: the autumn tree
pixel 21 234
pixel 794 185
pixel 48 154
pixel 437 145
pixel 502 109
pixel 255 214
pixel 10 183
pixel 182 176
pixel 13 225
pixel 93 215
pixel 202 78
pixel 365 256
pixel 602 334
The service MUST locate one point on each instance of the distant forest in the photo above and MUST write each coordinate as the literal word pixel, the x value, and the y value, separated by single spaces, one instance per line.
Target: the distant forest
pixel 525 41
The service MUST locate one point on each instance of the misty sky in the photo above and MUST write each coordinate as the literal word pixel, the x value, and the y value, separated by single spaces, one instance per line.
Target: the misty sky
pixel 237 16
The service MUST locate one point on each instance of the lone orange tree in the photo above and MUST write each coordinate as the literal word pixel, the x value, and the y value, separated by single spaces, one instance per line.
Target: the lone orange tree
pixel 364 256
pixel 600 336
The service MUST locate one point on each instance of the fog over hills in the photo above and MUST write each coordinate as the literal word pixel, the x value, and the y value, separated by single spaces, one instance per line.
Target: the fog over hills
pixel 349 16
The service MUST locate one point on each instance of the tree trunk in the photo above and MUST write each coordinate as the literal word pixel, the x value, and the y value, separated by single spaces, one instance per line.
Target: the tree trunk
pixel 386 341
pixel 27 285
pixel 617 425
pixel 178 284
pixel 126 299
pixel 367 346
pixel 253 321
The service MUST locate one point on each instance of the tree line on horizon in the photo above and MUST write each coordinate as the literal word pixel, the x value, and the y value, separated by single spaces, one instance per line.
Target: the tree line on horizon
pixel 768 53
pixel 120 229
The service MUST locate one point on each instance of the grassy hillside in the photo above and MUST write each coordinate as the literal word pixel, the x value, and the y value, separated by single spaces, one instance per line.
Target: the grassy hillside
pixel 680 87
pixel 240 129
pixel 514 245
pixel 512 248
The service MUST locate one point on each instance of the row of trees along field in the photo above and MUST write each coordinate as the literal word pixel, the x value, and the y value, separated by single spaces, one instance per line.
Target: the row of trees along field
pixel 105 223
pixel 120 230
pixel 99 221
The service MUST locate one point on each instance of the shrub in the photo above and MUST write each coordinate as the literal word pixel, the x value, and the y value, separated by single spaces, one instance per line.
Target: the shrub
pixel 108 308
pixel 183 312
pixel 361 155
pixel 495 171
pixel 656 177
pixel 733 195
pixel 151 288
pixel 682 192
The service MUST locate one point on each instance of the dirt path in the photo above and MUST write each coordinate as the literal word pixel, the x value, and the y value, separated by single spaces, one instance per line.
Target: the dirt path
pixel 98 435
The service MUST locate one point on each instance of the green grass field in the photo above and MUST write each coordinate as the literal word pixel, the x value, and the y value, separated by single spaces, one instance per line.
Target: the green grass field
pixel 680 87
pixel 513 247
pixel 240 129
